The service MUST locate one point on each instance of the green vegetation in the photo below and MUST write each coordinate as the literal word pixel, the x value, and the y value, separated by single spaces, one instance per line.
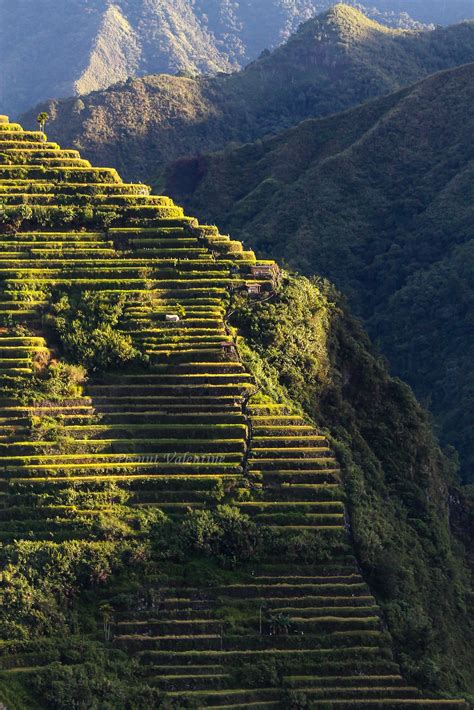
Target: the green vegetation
pixel 53 382
pixel 224 534
pixel 85 324
pixel 332 62
pixel 170 520
pixel 378 199
pixel 42 119
pixel 306 346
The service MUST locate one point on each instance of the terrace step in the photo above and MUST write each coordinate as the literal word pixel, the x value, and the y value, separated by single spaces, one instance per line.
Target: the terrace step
pixel 174 683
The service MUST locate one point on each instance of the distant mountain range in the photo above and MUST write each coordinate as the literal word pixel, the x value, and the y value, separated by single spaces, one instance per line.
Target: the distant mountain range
pixel 335 61
pixel 379 199
pixel 87 45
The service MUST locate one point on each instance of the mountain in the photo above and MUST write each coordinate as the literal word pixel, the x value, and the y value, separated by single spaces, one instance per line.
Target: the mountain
pixel 334 61
pixel 378 199
pixel 96 43
pixel 213 494
pixel 99 42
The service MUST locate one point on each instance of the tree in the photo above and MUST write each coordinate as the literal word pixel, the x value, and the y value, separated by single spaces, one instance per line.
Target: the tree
pixel 107 616
pixel 87 325
pixel 42 120
pixel 225 533
pixel 12 220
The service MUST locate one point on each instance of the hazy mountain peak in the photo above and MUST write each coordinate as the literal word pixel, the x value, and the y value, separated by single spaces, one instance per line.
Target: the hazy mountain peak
pixel 317 72
pixel 346 22
pixel 116 52
pixel 341 12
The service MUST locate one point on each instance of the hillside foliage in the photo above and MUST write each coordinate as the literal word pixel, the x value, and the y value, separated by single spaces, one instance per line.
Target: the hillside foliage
pixel 212 492
pixel 303 345
pixel 379 200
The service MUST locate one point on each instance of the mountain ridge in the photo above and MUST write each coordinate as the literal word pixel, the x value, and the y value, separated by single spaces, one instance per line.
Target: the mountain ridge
pixel 141 125
pixel 143 36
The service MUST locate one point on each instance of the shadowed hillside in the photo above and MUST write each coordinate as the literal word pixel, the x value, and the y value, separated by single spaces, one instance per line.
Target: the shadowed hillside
pixel 379 199
pixel 333 62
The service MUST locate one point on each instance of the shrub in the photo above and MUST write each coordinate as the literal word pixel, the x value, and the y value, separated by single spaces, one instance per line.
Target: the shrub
pixel 259 674
pixel 307 546
pixel 86 326
pixel 100 682
pixel 57 382
pixel 39 580
pixel 226 533
pixel 297 700
pixel 12 219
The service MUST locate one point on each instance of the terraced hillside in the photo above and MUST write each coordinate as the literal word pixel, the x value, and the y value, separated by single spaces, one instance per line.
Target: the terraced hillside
pixel 181 428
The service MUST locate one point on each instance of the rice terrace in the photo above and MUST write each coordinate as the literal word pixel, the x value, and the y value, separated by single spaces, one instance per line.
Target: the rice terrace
pixel 214 492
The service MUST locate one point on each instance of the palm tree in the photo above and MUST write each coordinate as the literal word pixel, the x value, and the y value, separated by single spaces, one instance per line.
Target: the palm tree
pixel 107 617
pixel 42 119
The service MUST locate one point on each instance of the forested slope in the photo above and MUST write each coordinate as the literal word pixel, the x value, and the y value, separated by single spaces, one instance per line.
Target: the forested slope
pixel 379 199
